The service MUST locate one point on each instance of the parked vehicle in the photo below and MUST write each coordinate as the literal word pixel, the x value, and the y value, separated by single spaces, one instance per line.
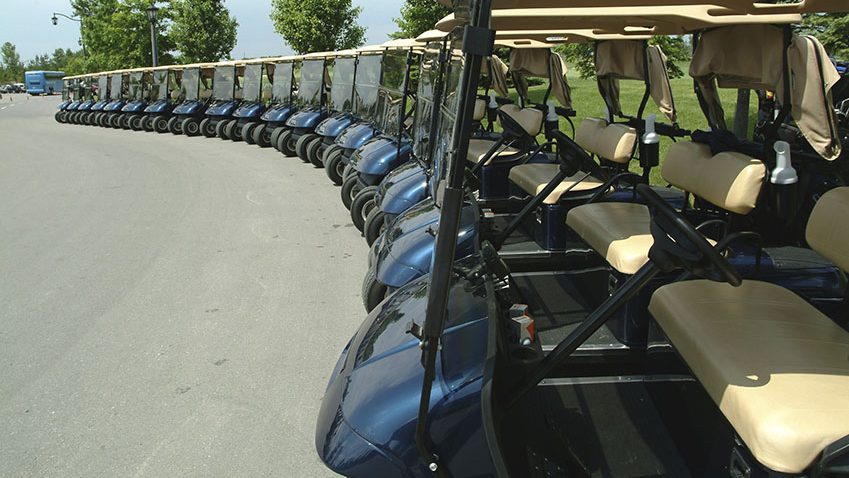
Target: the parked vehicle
pixel 92 111
pixel 271 124
pixel 138 96
pixel 43 82
pixel 196 83
pixel 226 88
pixel 163 81
pixel 310 102
pixel 255 92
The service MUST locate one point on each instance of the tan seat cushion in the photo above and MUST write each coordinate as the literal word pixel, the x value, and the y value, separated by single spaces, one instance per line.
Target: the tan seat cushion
pixel 479 147
pixel 827 227
pixel 614 142
pixel 534 177
pixel 621 232
pixel 480 110
pixel 729 180
pixel 777 368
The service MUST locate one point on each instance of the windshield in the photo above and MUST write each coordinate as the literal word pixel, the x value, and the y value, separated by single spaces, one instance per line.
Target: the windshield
pixel 103 87
pixel 311 84
pixel 428 76
pixel 159 85
pixel 342 84
pixel 251 87
pixel 136 86
pixel 223 82
pixel 115 90
pixel 66 87
pixel 367 84
pixel 445 131
pixel 281 92
pixel 190 84
pixel 391 91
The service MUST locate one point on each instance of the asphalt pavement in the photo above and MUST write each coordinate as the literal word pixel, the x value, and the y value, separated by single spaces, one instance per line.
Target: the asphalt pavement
pixel 169 306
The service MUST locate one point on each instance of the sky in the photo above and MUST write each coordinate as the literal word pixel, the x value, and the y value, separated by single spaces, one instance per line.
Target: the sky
pixel 28 26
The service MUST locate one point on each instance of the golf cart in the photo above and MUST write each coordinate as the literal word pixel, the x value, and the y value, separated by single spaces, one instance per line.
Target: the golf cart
pixel 226 88
pixel 118 86
pixel 91 111
pixel 71 93
pixel 86 99
pixel 196 83
pixel 256 92
pixel 267 130
pixel 462 373
pixel 139 97
pixel 155 116
pixel 310 103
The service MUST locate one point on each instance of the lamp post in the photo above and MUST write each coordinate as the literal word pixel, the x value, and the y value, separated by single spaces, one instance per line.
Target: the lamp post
pixel 151 15
pixel 55 20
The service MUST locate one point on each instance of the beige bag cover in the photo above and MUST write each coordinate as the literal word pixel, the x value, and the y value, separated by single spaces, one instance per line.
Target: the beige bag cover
pixel 626 59
pixel 497 72
pixel 541 63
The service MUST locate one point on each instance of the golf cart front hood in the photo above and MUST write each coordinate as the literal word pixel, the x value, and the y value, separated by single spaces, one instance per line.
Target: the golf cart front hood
pixel 97 106
pixel 334 125
pixel 189 107
pixel 72 105
pixel 306 118
pixel 366 426
pixel 115 105
pixel 250 110
pixel 222 108
pixel 406 251
pixel 356 136
pixel 399 192
pixel 134 106
pixel 63 105
pixel 380 156
pixel 278 113
pixel 159 106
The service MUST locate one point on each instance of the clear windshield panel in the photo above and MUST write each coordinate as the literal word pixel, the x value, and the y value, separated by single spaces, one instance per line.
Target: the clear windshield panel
pixel 66 90
pixel 190 85
pixel 223 82
pixel 342 84
pixel 447 118
pixel 428 75
pixel 281 92
pixel 103 87
pixel 136 86
pixel 251 86
pixel 311 84
pixel 159 85
pixel 115 90
pixel 367 85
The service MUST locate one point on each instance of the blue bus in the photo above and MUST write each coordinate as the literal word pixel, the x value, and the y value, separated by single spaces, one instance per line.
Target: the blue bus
pixel 43 82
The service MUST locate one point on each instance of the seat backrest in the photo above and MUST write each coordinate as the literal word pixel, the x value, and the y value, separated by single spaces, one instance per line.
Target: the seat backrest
pixel 480 110
pixel 529 119
pixel 828 227
pixel 729 180
pixel 613 142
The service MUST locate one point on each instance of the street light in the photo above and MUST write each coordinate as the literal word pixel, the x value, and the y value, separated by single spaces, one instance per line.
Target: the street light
pixel 151 15
pixel 55 21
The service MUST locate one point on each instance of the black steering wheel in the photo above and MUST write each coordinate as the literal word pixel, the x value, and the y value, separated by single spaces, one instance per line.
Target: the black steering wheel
pixel 678 244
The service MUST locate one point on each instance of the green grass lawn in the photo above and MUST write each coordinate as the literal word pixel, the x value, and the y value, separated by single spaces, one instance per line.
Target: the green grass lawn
pixel 587 102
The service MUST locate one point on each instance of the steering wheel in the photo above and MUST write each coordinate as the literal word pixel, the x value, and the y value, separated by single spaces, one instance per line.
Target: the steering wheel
pixel 677 243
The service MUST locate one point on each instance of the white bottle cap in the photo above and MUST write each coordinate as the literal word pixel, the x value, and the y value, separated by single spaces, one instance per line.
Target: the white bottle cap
pixel 492 103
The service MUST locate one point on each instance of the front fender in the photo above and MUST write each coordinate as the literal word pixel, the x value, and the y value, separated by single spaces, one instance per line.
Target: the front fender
pixel 114 105
pixel 356 136
pixel 278 113
pixel 306 119
pixel 190 107
pixel 158 106
pixel 334 125
pixel 63 105
pixel 399 192
pixel 379 157
pixel 222 108
pixel 134 107
pixel 249 110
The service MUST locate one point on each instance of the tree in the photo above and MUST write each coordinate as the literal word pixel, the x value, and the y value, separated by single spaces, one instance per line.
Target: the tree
pixel 202 30
pixel 832 29
pixel 13 69
pixel 581 56
pixel 318 25
pixel 417 17
pixel 71 62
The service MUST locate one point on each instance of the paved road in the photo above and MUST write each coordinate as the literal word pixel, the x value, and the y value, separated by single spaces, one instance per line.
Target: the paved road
pixel 169 306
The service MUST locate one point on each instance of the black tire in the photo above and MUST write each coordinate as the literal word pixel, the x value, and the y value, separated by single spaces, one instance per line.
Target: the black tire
pixel 147 123
pixel 350 188
pixel 233 131
pixel 275 137
pixel 247 132
pixel 124 121
pixel 136 123
pixel 160 124
pixel 175 125
pixel 114 121
pixel 347 171
pixel 373 292
pixel 375 224
pixel 301 146
pixel 312 151
pixel 103 120
pixel 261 136
pixel 191 127
pixel 207 128
pixel 286 143
pixel 333 165
pixel 362 205
pixel 220 129
pixel 57 116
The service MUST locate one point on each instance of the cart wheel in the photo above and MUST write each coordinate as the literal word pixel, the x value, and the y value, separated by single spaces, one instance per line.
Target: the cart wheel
pixel 261 136
pixel 124 121
pixel 301 146
pixel 191 127
pixel 275 137
pixel 373 292
pixel 312 151
pixel 220 129
pixel 362 205
pixel 233 131
pixel 333 165
pixel 248 132
pixel 350 188
pixel 375 225
pixel 137 123
pixel 286 143
pixel 175 125
pixel 207 128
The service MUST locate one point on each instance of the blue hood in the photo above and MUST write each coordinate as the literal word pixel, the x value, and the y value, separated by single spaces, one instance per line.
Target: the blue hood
pixel 72 105
pixel 189 107
pixel 63 105
pixel 334 125
pixel 98 105
pixel 222 108
pixel 402 189
pixel 379 157
pixel 134 106
pixel 307 119
pixel 158 106
pixel 366 426
pixel 115 105
pixel 85 105
pixel 356 136
pixel 253 109
pixel 278 113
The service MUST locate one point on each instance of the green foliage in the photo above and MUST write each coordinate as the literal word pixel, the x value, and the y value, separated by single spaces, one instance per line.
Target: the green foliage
pixel 202 30
pixel 12 69
pixel 71 62
pixel 581 56
pixel 116 33
pixel 417 17
pixel 832 30
pixel 318 25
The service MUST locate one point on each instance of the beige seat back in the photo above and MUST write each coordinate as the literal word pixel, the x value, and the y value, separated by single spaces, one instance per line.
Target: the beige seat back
pixel 732 181
pixel 480 110
pixel 828 227
pixel 613 142
pixel 530 119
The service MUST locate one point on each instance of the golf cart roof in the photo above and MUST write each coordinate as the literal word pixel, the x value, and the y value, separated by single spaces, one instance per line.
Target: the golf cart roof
pixel 403 43
pixel 556 37
pixel 719 7
pixel 321 54
pixel 651 20
pixel 370 49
